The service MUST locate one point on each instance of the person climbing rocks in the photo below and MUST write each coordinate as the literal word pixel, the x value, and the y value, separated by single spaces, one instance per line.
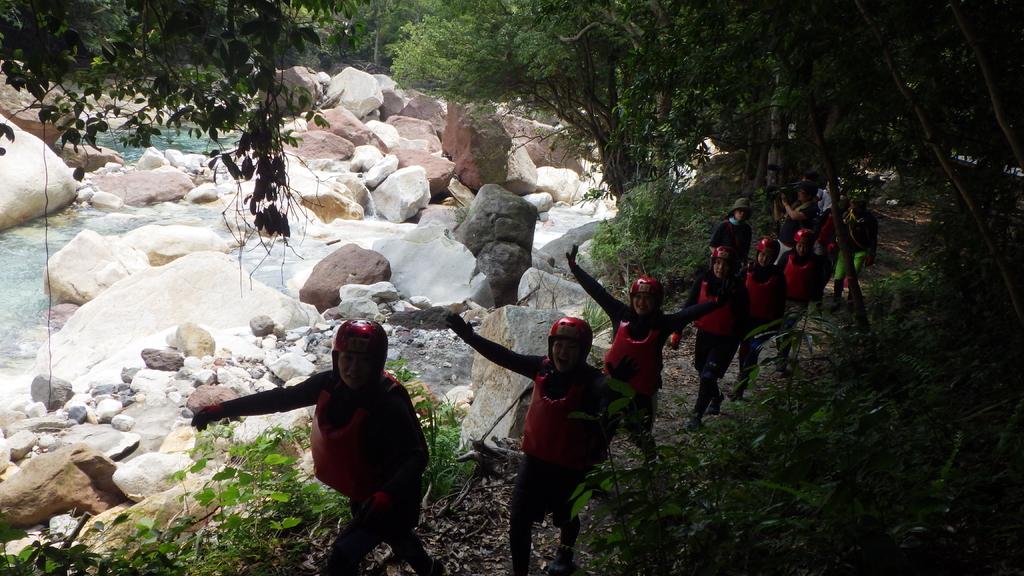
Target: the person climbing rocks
pixel 766 292
pixel 559 448
pixel 366 442
pixel 801 216
pixel 863 232
pixel 805 274
pixel 734 231
pixel 639 332
pixel 719 332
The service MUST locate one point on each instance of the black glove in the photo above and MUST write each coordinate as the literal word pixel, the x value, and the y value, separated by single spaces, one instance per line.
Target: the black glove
pixel 571 255
pixel 624 370
pixel 458 325
pixel 206 415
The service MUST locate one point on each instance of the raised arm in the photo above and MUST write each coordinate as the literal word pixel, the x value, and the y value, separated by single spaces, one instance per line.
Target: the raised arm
pixel 611 306
pixel 277 400
pixel 519 363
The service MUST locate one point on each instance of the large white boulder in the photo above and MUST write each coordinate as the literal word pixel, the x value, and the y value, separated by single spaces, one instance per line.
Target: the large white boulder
pixel 152 159
pixel 426 262
pixel 403 194
pixel 34 179
pixel 563 184
pixel 364 157
pixel 386 132
pixel 89 264
pixel 378 292
pixel 538 289
pixel 291 365
pixel 381 170
pixel 355 90
pixel 166 243
pixel 207 288
pixel 149 474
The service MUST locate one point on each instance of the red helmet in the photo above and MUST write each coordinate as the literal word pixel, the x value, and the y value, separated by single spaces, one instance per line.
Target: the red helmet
pixel 802 235
pixel 722 252
pixel 766 243
pixel 649 285
pixel 573 329
pixel 365 336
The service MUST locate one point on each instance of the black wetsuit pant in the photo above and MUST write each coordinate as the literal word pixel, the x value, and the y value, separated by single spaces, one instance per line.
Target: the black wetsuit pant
pixel 359 539
pixel 712 355
pixel 540 488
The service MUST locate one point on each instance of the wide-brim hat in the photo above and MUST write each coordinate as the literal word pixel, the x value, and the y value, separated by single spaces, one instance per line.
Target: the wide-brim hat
pixel 740 204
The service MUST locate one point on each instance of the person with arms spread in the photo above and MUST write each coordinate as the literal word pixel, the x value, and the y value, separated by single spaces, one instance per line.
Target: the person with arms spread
pixel 366 441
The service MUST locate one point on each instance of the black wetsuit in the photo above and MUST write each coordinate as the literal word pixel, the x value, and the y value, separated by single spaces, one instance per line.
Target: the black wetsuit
pixel 393 445
pixel 735 236
pixel 713 352
pixel 540 486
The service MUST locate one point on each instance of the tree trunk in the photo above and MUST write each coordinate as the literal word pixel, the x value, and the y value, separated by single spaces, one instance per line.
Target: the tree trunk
pixel 930 141
pixel 990 84
pixel 377 17
pixel 842 232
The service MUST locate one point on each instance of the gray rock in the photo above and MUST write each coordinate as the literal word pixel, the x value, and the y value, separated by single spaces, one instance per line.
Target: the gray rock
pixel 78 413
pixel 542 290
pixel 52 392
pixel 21 443
pixel 122 423
pixel 559 247
pixel 261 326
pixel 164 360
pixel 112 443
pixel 128 374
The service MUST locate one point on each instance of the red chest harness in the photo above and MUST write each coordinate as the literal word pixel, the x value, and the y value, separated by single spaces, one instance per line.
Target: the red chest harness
pixel 645 353
pixel 800 279
pixel 721 321
pixel 550 433
pixel 767 299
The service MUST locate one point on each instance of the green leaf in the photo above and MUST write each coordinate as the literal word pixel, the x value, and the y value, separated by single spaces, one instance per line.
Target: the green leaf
pixel 580 502
pixel 290 522
pixel 280 497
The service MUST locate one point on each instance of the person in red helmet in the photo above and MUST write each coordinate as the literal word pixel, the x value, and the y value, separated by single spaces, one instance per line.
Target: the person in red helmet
pixel 366 441
pixel 639 332
pixel 766 291
pixel 558 447
pixel 719 332
pixel 806 276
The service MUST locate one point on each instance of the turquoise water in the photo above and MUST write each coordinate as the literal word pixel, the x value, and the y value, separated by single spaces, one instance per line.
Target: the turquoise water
pixel 178 140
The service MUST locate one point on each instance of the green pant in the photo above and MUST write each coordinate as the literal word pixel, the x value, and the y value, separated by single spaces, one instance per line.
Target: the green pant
pixel 858 265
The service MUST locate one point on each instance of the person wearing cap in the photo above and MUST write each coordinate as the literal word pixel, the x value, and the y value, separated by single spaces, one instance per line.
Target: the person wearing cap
pixel 734 231
pixel 863 230
pixel 366 442
pixel 719 332
pixel 559 447
pixel 766 292
pixel 639 332
pixel 800 216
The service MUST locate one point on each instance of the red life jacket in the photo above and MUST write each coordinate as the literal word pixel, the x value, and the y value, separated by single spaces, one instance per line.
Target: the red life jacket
pixel 550 434
pixel 721 321
pixel 767 300
pixel 645 353
pixel 339 454
pixel 800 279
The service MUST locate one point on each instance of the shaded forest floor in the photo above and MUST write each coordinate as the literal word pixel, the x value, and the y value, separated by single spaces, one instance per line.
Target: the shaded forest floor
pixel 469 529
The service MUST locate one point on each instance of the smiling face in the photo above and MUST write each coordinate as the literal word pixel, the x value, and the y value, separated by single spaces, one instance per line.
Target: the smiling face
pixel 355 368
pixel 720 267
pixel 643 303
pixel 767 256
pixel 565 354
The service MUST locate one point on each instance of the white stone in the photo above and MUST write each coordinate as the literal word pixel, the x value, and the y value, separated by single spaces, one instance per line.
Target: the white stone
pixel 378 292
pixel 356 90
pixel 542 201
pixel 205 192
pixel 27 167
pixel 149 474
pixel 151 160
pixel 459 396
pixel 563 184
pixel 538 289
pixel 387 133
pixel 165 243
pixel 291 365
pixel 101 200
pixel 253 426
pixel 403 194
pixel 359 309
pixel 89 264
pixel 5 453
pixel 152 383
pixel 381 170
pixel 426 262
pixel 204 287
pixel 35 409
pixel 235 378
pixel 122 422
pixel 107 408
pixel 364 157
pixel 421 302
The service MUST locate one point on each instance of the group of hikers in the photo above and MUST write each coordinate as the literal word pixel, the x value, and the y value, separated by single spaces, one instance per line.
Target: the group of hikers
pixel 366 438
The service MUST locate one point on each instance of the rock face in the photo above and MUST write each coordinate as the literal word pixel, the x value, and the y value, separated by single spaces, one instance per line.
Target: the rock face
pixel 317 144
pixel 416 129
pixel 483 152
pixel 563 184
pixel 539 289
pixel 22 109
pixel 381 170
pixel 499 231
pixel 349 264
pixel 545 144
pixel 403 194
pixel 35 179
pixel 426 108
pixel 356 90
pixel 70 478
pixel 559 247
pixel 524 330
pixel 428 263
pixel 439 170
pixel 302 89
pixel 345 124
pixel 149 474
pixel 365 157
pixel 204 287
pixel 166 243
pixel 386 132
pixel 89 264
pixel 90 158
pixel 141 188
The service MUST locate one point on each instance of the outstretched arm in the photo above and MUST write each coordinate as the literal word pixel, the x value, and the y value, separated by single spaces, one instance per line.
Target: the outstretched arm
pixel 519 363
pixel 268 402
pixel 611 306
